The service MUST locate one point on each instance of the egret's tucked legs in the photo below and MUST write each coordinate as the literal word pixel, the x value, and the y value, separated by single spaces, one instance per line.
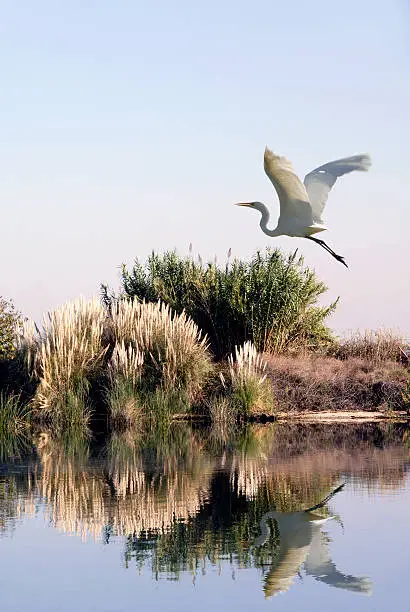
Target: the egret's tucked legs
pixel 328 249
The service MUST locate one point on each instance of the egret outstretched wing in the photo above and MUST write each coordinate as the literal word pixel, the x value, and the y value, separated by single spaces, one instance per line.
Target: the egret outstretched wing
pixel 293 197
pixel 320 566
pixel 320 181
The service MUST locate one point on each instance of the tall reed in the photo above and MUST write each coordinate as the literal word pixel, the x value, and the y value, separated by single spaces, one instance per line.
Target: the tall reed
pixel 271 300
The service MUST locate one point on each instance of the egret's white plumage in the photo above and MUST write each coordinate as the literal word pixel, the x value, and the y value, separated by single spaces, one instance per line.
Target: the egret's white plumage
pixel 302 204
pixel 302 543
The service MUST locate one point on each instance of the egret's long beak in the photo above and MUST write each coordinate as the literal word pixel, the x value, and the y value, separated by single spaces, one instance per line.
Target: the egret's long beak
pixel 243 204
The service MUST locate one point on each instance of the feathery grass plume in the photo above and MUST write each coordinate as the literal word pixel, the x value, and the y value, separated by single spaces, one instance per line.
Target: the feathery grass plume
pixel 175 355
pixel 123 390
pixel 247 373
pixel 373 345
pixel 69 356
pixel 271 300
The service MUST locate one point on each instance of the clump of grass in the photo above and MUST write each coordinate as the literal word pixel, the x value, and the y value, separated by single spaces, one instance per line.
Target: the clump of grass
pixel 222 412
pixel 175 355
pixel 270 301
pixel 160 405
pixel 66 356
pixel 251 391
pixel 224 415
pixel 124 383
pixel 14 415
pixel 373 345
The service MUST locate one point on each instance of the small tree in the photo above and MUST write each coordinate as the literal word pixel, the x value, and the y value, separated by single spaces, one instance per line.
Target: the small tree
pixel 10 319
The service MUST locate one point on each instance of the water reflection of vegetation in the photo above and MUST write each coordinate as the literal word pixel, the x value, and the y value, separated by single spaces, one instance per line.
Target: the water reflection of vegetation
pixel 184 499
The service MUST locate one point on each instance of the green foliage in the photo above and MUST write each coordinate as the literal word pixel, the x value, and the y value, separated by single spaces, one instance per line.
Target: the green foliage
pixel 162 403
pixel 10 320
pixel 223 413
pixel 271 300
pixel 14 415
pixel 71 411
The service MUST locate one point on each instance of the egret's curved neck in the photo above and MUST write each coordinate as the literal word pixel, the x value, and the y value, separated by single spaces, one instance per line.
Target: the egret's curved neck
pixel 265 220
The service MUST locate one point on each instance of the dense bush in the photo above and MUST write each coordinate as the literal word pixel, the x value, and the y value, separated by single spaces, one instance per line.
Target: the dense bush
pixel 9 320
pixel 270 301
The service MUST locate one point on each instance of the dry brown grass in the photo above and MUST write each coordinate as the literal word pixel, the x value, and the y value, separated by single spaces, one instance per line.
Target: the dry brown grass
pixel 325 383
pixel 375 345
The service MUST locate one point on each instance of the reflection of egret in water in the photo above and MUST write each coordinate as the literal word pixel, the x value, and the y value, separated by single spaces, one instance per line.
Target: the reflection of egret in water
pixel 300 541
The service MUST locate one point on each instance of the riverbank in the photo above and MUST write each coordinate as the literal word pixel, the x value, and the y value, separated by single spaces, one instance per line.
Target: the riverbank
pixel 304 387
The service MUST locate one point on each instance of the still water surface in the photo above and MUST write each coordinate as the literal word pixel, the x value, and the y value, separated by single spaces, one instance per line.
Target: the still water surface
pixel 184 520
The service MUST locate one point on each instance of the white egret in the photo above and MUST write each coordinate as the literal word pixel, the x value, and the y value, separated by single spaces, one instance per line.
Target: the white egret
pixel 302 204
pixel 301 542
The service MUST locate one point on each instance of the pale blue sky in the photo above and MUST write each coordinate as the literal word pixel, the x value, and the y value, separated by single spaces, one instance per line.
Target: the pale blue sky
pixel 129 126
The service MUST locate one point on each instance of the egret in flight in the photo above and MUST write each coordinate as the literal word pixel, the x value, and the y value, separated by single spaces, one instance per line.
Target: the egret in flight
pixel 302 204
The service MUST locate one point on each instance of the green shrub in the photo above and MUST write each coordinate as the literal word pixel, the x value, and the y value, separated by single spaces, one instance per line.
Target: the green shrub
pixel 10 320
pixel 271 300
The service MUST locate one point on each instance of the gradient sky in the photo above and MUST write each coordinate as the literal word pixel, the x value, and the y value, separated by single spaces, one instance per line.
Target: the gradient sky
pixel 129 126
